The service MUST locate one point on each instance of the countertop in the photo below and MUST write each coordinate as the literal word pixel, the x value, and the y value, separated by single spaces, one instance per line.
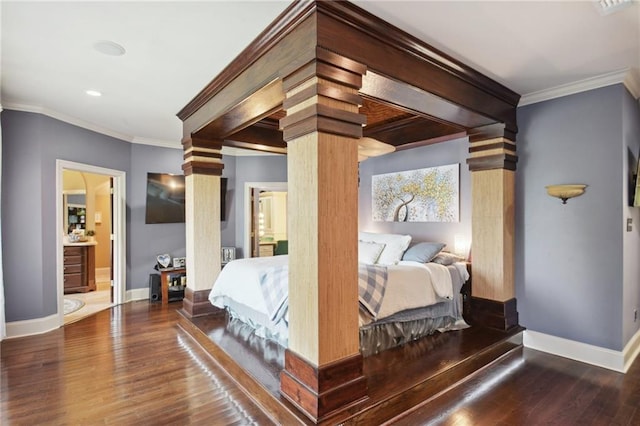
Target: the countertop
pixel 66 243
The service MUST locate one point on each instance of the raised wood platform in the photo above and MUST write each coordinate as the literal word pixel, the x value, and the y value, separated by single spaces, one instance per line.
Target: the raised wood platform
pixel 398 380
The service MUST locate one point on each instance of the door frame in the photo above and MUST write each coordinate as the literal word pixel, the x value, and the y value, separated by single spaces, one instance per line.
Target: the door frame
pixel 267 186
pixel 119 229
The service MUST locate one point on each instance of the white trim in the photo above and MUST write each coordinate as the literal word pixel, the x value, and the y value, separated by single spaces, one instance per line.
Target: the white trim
pixel 631 351
pixel 68 119
pixel 90 126
pixel 119 229
pixel 619 361
pixel 32 326
pixel 628 77
pixel 103 274
pixel 156 142
pixel 127 138
pixel 272 186
pixel 137 294
pixel 632 82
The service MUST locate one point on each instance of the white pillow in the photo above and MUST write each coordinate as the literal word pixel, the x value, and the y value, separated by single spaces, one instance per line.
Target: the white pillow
pixel 369 252
pixel 395 245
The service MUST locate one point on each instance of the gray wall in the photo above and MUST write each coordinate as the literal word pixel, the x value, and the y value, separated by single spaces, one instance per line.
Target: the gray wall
pixel 146 241
pixel 441 154
pixel 631 240
pixel 31 144
pixel 569 268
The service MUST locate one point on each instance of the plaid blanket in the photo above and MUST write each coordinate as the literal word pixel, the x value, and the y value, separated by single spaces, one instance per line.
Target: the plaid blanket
pixel 274 283
pixel 372 282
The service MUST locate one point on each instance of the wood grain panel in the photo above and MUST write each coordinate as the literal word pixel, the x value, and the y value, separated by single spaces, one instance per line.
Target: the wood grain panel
pixel 202 214
pixel 196 304
pixel 394 53
pixel 323 250
pixel 493 314
pixel 398 379
pixel 493 193
pixel 321 392
pixel 292 49
pixel 302 166
pixel 267 40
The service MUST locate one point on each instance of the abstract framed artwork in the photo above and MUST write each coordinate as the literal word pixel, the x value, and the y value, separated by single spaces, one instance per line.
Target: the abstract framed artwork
pixel 422 195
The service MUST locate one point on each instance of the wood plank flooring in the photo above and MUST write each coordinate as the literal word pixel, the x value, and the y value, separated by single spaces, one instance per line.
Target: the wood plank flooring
pixel 397 379
pixel 131 365
pixel 529 387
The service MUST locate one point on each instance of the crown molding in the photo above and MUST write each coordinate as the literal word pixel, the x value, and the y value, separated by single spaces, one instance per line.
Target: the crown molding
pixel 127 138
pixel 632 82
pixel 629 77
pixel 156 142
pixel 68 119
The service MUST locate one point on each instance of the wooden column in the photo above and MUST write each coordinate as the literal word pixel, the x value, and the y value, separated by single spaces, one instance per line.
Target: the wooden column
pixel 202 168
pixel 323 365
pixel 493 164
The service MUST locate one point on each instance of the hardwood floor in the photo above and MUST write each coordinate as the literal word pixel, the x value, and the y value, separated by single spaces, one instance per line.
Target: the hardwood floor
pixel 529 387
pixel 131 365
pixel 397 379
pixel 126 365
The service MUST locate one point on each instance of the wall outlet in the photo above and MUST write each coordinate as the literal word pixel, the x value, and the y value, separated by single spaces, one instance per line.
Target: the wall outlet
pixel 629 224
pixel 635 315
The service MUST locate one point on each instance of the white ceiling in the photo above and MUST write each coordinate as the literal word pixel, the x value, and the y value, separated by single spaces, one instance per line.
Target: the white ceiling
pixel 175 48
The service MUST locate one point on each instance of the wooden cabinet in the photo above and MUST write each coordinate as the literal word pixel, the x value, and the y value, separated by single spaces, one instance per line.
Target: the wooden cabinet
pixel 267 249
pixel 165 282
pixel 79 268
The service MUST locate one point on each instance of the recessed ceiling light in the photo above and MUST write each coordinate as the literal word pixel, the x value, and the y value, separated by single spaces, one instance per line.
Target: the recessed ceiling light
pixel 110 48
pixel 93 93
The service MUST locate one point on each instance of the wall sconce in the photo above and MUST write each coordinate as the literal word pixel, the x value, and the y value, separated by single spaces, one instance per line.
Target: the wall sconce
pixel 564 192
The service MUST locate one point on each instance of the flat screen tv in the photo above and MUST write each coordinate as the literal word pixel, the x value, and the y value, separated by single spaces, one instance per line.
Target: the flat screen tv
pixel 166 198
pixel 223 199
pixel 636 186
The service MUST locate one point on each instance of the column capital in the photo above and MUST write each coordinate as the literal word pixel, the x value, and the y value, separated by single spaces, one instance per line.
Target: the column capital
pixel 490 154
pixel 322 96
pixel 202 156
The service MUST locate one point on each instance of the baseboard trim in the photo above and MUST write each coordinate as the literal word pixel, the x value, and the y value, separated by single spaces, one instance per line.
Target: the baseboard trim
pixel 32 327
pixel 52 322
pixel 619 361
pixel 137 294
pixel 103 274
pixel 631 350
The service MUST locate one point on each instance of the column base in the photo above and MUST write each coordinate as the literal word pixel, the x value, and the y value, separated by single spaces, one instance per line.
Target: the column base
pixel 494 314
pixel 197 304
pixel 320 392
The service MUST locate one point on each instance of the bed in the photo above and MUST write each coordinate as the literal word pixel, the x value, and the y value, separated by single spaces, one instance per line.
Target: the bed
pixel 402 297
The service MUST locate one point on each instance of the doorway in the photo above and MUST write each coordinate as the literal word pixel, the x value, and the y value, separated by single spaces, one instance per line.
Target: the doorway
pixel 91 198
pixel 265 217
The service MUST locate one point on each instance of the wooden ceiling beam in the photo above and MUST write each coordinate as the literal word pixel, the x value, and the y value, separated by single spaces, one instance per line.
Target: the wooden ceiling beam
pixel 388 51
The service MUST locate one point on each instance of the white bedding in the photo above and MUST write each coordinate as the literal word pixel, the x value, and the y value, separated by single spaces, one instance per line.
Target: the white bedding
pixel 409 285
